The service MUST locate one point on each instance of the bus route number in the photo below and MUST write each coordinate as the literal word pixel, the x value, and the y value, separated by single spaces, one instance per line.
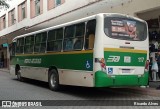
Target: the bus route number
pixel 141 59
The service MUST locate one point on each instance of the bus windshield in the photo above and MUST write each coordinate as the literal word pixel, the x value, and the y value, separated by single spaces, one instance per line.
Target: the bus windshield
pixel 125 28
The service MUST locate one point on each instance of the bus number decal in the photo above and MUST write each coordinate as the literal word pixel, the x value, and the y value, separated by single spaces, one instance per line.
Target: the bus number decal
pixel 113 59
pixel 141 59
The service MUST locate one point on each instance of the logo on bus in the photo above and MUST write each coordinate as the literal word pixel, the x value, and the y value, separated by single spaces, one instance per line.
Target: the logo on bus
pixel 32 61
pixel 113 59
pixel 110 70
pixel 88 65
pixel 141 59
pixel 127 59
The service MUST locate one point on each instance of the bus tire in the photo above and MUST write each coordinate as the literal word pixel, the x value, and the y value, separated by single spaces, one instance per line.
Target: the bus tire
pixel 53 80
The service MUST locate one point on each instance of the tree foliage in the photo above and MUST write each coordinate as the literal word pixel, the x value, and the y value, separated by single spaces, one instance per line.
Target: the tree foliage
pixel 3 3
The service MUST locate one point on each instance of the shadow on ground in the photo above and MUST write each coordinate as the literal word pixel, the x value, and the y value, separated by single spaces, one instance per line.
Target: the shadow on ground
pixel 87 92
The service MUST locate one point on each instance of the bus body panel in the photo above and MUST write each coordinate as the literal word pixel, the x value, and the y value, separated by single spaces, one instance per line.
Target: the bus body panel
pixel 124 60
pixel 74 68
pixel 104 80
pixel 76 77
pixel 37 73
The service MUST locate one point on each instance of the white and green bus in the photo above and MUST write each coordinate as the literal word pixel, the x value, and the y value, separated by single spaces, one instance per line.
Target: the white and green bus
pixel 103 50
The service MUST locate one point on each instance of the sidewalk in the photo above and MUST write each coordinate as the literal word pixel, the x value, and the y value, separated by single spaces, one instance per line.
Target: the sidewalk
pixel 151 90
pixel 153 84
pixel 4 70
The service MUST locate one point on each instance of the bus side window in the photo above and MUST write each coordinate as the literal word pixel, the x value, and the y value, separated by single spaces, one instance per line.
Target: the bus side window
pixel 20 46
pixel 29 42
pixel 40 42
pixel 59 38
pixel 78 44
pixel 79 36
pixel 90 34
pixel 69 38
pixel 43 42
pixel 51 39
pixel 68 44
pixel 91 41
pixel 54 42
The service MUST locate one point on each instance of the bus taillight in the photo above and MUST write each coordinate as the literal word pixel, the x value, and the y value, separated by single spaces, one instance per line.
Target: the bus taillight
pixel 103 64
pixel 147 65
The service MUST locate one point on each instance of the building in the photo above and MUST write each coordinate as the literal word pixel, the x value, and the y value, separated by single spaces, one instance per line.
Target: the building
pixel 31 15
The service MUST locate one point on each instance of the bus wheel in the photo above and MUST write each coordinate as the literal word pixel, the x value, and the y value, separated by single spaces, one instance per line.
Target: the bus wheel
pixel 54 80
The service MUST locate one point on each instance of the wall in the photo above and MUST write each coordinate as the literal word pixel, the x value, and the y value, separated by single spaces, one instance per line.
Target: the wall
pixel 72 10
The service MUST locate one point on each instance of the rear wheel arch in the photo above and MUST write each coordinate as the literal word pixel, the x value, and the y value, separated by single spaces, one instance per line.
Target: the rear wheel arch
pixel 51 68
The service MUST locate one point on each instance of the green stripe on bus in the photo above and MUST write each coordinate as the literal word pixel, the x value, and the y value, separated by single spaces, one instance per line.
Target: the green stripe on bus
pixel 114 58
pixel 61 61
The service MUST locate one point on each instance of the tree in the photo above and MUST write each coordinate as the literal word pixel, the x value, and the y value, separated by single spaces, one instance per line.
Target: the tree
pixel 3 3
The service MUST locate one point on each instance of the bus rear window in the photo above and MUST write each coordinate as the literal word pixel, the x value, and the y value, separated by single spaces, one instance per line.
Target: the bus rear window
pixel 125 29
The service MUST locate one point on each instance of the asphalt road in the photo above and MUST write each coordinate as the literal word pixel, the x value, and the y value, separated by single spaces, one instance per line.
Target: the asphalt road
pixel 12 89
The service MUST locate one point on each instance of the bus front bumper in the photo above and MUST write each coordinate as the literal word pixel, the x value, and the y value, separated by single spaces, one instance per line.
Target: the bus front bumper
pixel 104 80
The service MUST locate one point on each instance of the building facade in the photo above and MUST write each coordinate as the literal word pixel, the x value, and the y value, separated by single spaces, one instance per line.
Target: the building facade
pixel 31 15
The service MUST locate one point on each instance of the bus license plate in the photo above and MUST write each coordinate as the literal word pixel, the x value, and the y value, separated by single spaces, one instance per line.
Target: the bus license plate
pixel 125 70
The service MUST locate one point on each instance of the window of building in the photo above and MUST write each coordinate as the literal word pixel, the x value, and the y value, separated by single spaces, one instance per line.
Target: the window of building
pixel 73 39
pixel 54 3
pixel 57 2
pixel 23 10
pixel 37 7
pixel 40 42
pixel 4 22
pixel 90 34
pixel 20 45
pixel 55 38
pixel 29 42
pixel 12 17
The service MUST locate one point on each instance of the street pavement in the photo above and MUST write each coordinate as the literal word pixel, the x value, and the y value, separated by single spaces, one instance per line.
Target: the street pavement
pixel 12 89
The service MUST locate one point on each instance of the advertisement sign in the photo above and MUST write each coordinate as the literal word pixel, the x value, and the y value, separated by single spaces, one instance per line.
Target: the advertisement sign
pixel 124 28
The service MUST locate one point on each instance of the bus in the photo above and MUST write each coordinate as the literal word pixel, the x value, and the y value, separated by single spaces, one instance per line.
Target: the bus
pixel 102 50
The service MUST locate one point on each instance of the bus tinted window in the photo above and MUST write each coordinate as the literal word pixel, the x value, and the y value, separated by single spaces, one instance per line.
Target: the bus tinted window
pixel 40 42
pixel 80 29
pixel 59 34
pixel 20 45
pixel 51 35
pixel 79 36
pixel 55 38
pixel 90 34
pixel 125 29
pixel 69 32
pixel 74 42
pixel 29 44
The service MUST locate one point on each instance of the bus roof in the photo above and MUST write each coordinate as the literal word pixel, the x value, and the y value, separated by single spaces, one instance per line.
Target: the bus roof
pixel 73 22
pixel 57 26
